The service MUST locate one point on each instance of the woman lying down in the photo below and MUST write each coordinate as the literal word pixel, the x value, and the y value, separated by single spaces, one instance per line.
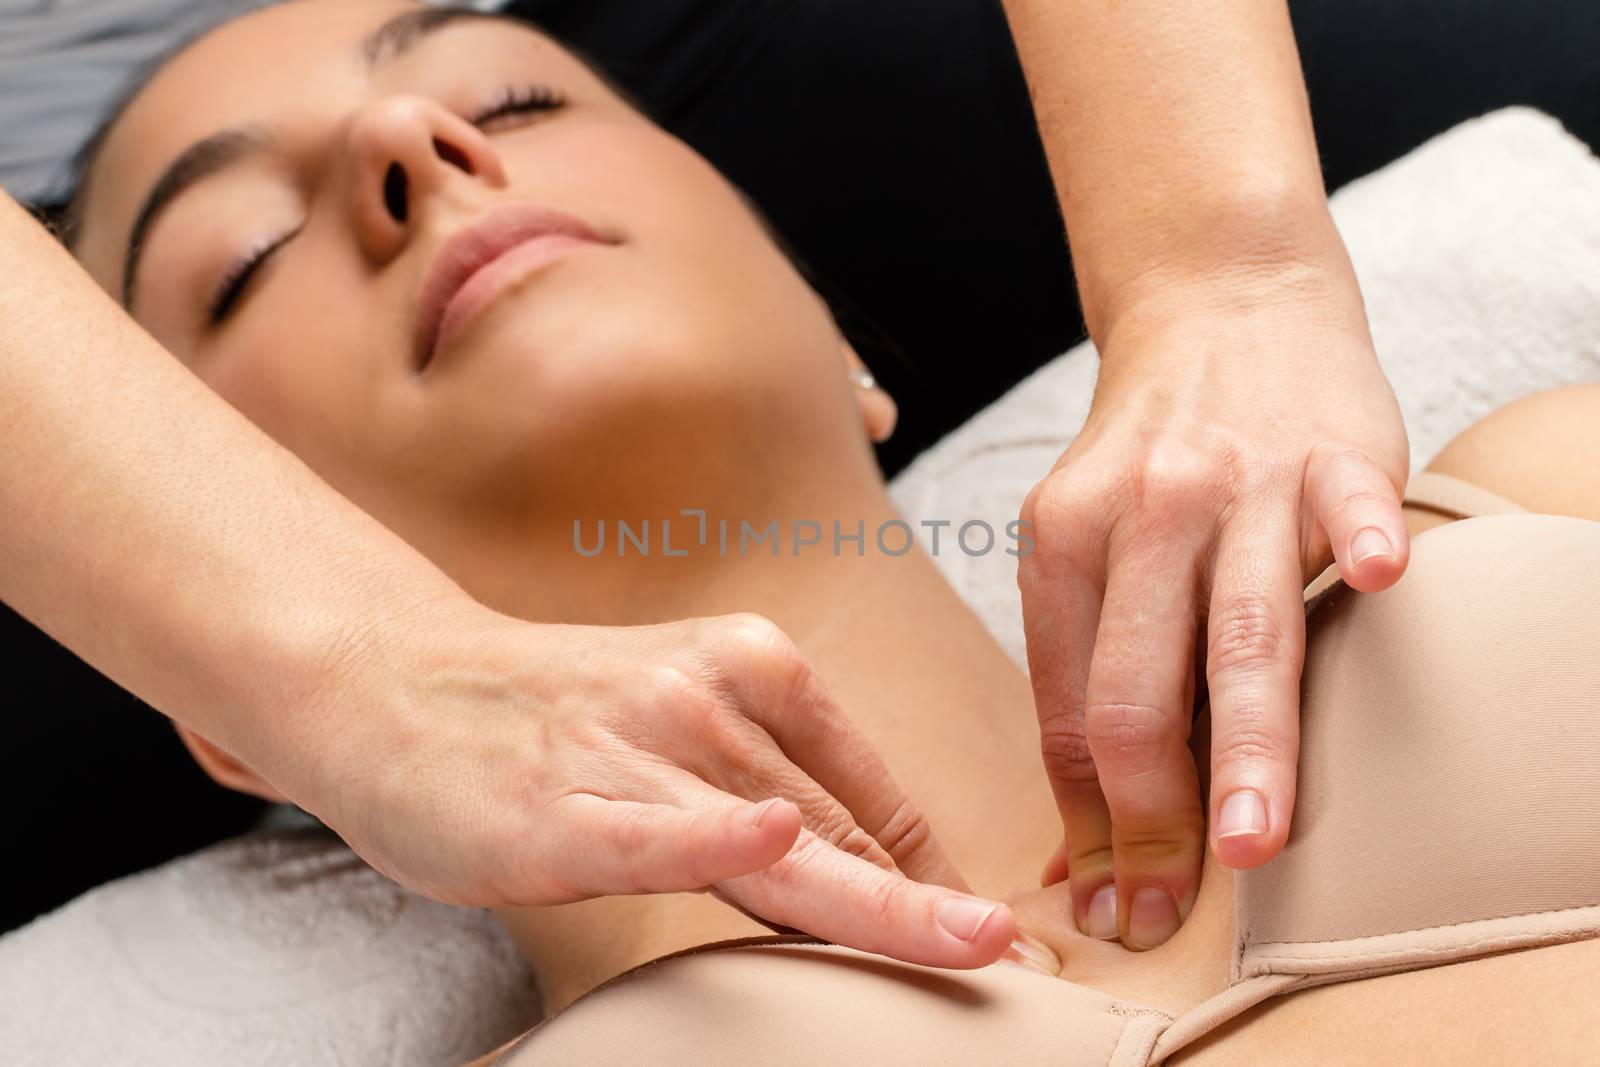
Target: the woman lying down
pixel 656 351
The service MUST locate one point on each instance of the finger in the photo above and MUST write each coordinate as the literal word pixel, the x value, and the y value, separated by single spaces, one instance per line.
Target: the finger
pixel 1352 499
pixel 737 757
pixel 596 847
pixel 1255 647
pixel 1137 720
pixel 838 778
pixel 1060 611
pixel 838 897
pixel 1056 868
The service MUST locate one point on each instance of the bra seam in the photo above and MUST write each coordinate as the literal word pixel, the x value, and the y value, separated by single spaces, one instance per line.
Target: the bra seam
pixel 1425 929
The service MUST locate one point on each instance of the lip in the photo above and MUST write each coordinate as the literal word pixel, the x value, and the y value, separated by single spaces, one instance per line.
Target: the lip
pixel 477 263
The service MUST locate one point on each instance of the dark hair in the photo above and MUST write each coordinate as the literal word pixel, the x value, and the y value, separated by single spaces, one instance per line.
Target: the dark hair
pixel 63 213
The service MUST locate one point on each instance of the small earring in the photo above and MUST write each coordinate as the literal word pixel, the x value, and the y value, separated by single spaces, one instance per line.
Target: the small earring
pixel 863 378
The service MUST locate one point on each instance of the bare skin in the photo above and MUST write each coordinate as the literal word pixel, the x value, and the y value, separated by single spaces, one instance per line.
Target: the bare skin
pixel 686 365
pixel 1484 1011
pixel 1241 434
pixel 617 385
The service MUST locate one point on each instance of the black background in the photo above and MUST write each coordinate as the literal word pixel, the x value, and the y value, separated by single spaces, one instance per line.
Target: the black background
pixel 892 144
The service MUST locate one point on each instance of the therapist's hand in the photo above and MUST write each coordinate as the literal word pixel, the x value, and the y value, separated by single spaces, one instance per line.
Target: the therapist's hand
pixel 1240 432
pixel 523 764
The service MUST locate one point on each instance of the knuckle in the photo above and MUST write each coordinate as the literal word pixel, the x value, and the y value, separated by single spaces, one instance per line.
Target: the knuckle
pixel 1129 737
pixel 886 899
pixel 1062 516
pixel 665 686
pixel 852 839
pixel 696 708
pixel 906 833
pixel 1359 499
pixel 1159 850
pixel 1176 478
pixel 799 869
pixel 1065 746
pixel 1088 861
pixel 1251 746
pixel 766 665
pixel 1246 635
pixel 1046 502
pixel 750 636
pixel 1341 459
pixel 632 842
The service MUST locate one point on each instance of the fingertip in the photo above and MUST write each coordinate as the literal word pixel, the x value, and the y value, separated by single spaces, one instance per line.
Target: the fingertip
pixel 976 931
pixel 1247 830
pixel 1239 853
pixel 1375 558
pixel 773 820
pixel 995 938
pixel 756 836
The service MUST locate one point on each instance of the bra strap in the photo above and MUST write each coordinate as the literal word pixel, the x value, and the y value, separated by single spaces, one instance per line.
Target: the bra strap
pixel 1456 499
pixel 1442 494
pixel 1232 1002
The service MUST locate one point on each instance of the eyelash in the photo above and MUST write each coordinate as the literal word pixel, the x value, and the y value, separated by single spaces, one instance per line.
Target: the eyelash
pixel 520 101
pixel 513 101
pixel 232 284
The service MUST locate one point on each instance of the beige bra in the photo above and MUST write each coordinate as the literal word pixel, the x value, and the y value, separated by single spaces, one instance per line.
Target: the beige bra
pixel 1453 717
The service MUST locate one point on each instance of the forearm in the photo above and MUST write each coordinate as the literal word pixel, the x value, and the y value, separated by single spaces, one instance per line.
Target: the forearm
pixel 1179 139
pixel 159 535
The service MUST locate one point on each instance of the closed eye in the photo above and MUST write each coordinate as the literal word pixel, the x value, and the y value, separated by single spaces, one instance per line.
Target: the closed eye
pixel 520 101
pixel 232 285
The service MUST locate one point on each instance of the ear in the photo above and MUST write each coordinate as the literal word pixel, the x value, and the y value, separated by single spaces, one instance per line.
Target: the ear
pixel 878 410
pixel 225 770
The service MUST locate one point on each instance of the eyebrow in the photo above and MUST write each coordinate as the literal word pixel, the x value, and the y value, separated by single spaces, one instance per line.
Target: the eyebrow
pixel 220 151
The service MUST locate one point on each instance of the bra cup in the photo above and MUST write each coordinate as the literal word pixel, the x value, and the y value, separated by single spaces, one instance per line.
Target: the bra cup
pixel 1450 757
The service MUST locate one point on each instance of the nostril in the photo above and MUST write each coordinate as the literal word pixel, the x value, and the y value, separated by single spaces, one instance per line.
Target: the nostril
pixel 394 192
pixel 452 155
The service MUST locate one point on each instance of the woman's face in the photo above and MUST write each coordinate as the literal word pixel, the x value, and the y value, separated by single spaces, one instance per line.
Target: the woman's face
pixel 675 357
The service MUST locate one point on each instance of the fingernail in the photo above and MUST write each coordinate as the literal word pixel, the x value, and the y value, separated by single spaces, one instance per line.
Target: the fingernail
pixel 1243 814
pixel 1367 543
pixel 1033 954
pixel 752 815
pixel 1152 917
pixel 963 917
pixel 1102 918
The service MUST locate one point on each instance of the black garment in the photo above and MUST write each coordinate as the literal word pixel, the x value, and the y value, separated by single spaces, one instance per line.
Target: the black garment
pixel 892 143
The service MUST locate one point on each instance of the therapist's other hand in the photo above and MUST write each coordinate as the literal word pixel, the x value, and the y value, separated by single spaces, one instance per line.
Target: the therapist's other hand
pixel 524 764
pixel 1240 432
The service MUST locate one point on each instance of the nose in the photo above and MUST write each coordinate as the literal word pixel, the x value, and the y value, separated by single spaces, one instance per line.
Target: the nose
pixel 405 149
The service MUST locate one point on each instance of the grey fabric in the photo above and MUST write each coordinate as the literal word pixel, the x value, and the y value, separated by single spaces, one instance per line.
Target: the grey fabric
pixel 62 65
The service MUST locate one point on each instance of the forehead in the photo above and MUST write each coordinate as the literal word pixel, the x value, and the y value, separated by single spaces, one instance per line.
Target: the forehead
pixel 267 63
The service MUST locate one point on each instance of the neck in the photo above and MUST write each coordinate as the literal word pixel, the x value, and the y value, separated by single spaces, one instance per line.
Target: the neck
pixel 901 654
pixel 906 660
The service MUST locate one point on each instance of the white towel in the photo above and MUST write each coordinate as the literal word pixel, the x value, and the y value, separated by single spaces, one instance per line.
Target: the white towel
pixel 1480 258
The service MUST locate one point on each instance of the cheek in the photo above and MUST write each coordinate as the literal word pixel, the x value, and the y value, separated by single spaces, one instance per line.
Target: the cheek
pixel 294 399
pixel 303 378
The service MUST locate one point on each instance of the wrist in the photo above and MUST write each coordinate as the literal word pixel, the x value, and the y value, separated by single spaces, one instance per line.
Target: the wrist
pixel 342 675
pixel 1239 250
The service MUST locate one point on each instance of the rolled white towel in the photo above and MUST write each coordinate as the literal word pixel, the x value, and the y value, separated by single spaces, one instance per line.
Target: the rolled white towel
pixel 1480 258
